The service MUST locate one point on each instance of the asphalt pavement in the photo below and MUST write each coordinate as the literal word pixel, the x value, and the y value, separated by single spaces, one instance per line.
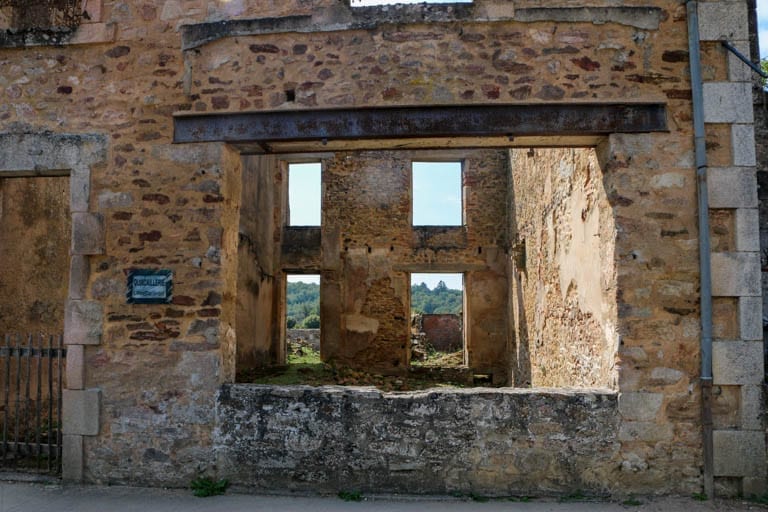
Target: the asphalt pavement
pixel 54 497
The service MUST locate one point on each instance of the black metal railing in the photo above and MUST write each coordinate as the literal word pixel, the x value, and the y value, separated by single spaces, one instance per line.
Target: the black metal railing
pixel 31 383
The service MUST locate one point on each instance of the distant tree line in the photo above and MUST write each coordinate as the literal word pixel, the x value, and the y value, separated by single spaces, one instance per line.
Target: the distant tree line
pixel 303 306
pixel 303 302
pixel 440 300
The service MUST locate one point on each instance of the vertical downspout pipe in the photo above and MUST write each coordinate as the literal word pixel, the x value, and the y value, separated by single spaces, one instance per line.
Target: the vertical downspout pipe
pixel 705 272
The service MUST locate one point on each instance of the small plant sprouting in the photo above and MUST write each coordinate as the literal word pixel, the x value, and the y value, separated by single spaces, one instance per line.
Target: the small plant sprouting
pixel 632 502
pixel 351 495
pixel 204 487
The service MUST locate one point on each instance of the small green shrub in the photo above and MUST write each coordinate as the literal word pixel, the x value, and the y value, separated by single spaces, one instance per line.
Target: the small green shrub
pixel 351 495
pixel 204 487
pixel 699 496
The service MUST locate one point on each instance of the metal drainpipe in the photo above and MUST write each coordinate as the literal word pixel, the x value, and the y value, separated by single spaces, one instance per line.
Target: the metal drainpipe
pixel 705 271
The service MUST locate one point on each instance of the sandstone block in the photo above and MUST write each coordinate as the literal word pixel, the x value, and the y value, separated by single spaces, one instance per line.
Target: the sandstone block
pixel 737 362
pixel 83 322
pixel 80 412
pixel 645 431
pixel 747 229
pixel 75 367
pixel 72 458
pixel 79 272
pixel 739 453
pixel 87 233
pixel 79 189
pixel 723 20
pixel 737 70
pixel 724 102
pixel 751 407
pixel 732 187
pixel 640 406
pixel 736 274
pixel 743 144
pixel 754 486
pixel 751 318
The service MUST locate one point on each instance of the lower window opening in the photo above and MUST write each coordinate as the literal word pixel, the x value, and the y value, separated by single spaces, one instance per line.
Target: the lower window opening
pixel 437 321
pixel 302 319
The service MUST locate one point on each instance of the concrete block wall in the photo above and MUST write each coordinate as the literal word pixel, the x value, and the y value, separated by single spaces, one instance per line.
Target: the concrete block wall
pixel 740 452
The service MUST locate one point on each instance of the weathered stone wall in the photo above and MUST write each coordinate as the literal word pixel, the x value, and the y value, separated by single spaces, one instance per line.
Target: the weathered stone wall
pixel 494 442
pixel 35 227
pixel 565 308
pixel 443 331
pixel 143 378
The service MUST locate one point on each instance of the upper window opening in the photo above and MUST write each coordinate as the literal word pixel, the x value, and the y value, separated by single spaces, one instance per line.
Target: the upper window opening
pixel 437 194
pixel 304 194
pixel 366 3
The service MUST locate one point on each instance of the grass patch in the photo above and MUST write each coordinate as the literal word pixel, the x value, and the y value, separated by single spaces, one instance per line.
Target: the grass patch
pixel 351 495
pixel 699 496
pixel 632 502
pixel 204 487
pixel 305 367
pixel 576 495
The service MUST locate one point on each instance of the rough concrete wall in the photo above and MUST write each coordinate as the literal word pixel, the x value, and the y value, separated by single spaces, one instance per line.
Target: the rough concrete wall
pixel 566 304
pixel 35 228
pixel 506 442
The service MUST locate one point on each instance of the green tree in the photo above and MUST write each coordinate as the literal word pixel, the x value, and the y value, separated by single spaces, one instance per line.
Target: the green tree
pixel 311 322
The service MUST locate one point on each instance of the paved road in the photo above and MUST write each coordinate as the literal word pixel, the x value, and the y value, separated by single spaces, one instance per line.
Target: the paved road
pixel 29 497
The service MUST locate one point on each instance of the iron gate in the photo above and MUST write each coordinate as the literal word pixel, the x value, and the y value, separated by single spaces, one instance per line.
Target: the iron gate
pixel 31 382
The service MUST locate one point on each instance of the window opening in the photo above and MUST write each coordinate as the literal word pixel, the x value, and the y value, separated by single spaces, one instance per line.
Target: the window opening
pixel 437 320
pixel 304 194
pixel 437 192
pixel 302 318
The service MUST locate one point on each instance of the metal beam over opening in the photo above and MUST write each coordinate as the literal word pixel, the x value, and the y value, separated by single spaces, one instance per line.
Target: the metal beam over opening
pixel 269 128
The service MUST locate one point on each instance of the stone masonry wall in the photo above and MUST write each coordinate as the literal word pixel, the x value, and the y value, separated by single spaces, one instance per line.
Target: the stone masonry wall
pixel 565 310
pixel 142 379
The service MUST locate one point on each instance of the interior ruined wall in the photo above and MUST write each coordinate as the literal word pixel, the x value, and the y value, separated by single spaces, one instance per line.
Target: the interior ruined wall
pixel 564 293
pixel 35 229
pixel 256 270
pixel 367 249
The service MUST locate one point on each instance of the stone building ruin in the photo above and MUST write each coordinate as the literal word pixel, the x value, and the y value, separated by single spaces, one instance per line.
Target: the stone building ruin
pixel 579 131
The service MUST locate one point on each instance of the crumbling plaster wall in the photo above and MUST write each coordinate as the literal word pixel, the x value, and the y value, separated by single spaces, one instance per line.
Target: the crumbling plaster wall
pixel 158 367
pixel 565 310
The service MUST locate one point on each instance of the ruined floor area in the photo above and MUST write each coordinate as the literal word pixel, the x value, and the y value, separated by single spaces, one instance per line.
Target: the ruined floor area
pixel 437 369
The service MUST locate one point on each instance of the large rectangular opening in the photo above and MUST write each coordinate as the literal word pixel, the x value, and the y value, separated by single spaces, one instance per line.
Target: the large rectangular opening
pixel 302 318
pixel 437 320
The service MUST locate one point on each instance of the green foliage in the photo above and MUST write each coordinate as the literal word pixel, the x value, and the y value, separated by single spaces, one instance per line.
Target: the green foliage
pixel 632 502
pixel 762 500
pixel 440 300
pixel 577 495
pixel 700 496
pixel 290 322
pixel 204 487
pixel 312 321
pixel 302 300
pixel 351 495
pixel 764 67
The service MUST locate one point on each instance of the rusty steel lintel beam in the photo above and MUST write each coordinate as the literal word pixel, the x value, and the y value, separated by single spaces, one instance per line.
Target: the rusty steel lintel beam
pixel 419 122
